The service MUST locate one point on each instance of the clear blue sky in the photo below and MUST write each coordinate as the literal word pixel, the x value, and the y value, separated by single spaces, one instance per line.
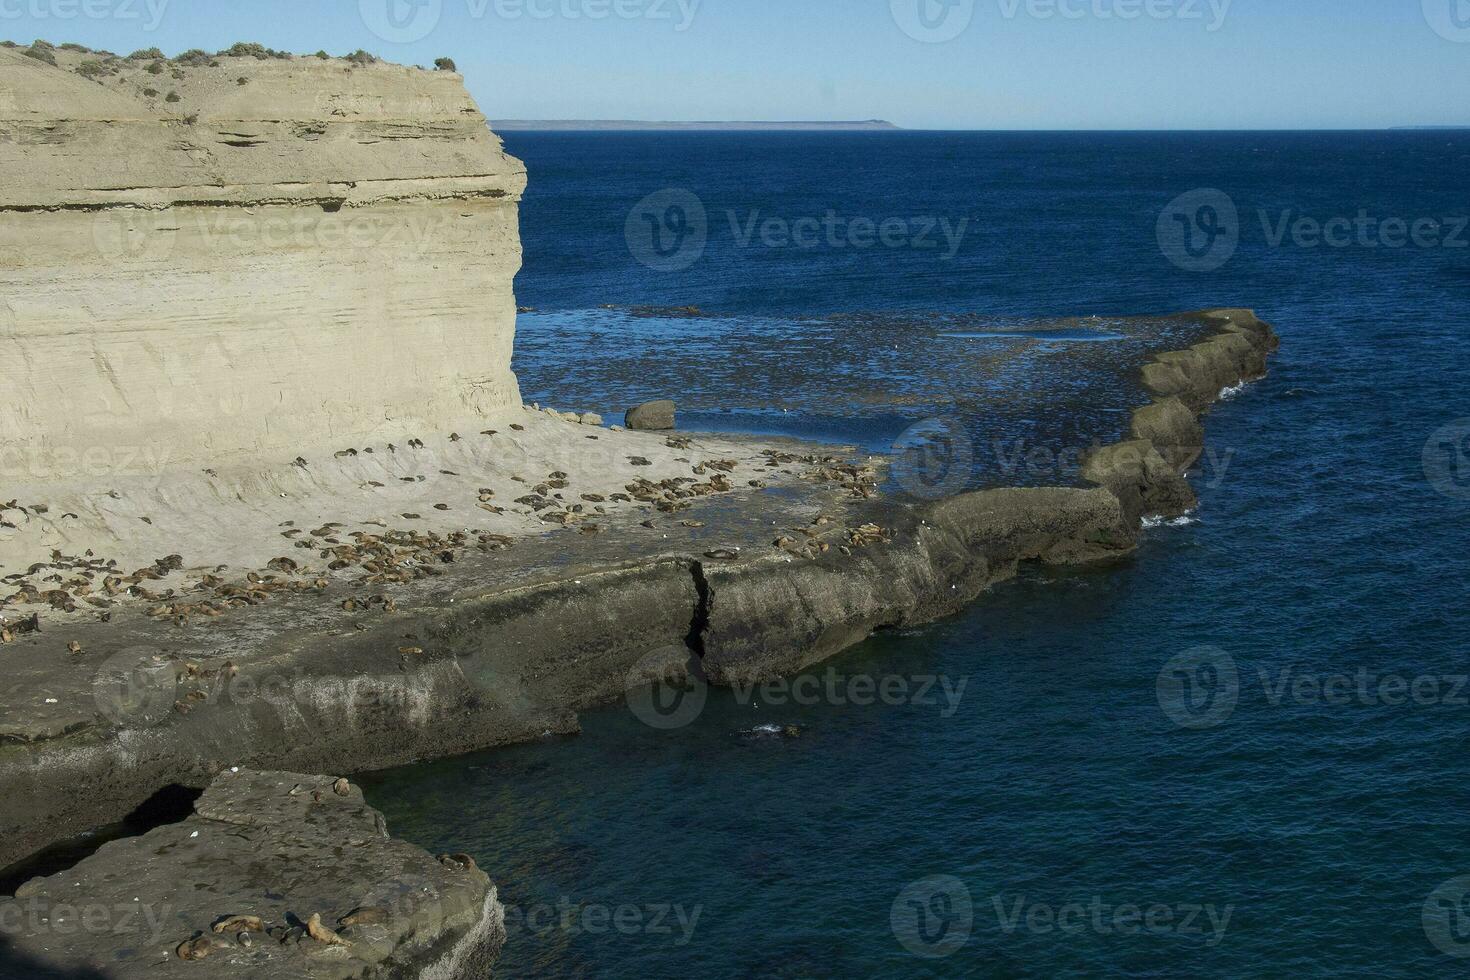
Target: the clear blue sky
pixel 1017 64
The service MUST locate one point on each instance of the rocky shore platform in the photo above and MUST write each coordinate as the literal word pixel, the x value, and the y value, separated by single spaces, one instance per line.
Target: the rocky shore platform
pixel 361 643
pixel 274 875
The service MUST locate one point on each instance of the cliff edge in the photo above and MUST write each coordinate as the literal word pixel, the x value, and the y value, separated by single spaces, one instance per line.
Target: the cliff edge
pixel 235 256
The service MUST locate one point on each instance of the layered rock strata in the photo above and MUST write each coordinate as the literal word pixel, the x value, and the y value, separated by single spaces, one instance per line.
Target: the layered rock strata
pixel 241 257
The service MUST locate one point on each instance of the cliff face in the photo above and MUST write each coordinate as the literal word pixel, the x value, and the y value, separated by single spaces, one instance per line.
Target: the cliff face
pixel 249 257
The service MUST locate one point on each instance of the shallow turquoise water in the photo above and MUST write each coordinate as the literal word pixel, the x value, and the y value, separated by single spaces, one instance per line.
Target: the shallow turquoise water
pixel 1308 817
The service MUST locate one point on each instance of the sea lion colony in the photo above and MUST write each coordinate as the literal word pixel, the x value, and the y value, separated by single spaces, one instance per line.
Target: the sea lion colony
pixel 373 560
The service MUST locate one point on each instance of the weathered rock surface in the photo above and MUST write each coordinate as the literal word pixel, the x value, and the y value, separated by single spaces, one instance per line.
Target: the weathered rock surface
pixel 651 416
pixel 276 847
pixel 295 253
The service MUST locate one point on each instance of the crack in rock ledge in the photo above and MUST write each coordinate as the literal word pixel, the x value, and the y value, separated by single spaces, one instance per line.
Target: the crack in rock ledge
pixel 505 667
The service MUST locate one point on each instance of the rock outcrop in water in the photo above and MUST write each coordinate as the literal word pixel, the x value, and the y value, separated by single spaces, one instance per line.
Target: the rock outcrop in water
pixel 235 256
pixel 275 875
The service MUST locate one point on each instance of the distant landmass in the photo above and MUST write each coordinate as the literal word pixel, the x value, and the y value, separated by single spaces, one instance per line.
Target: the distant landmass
pixel 511 125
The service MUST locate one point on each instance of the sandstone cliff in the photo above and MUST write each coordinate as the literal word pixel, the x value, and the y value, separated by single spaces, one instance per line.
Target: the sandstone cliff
pixel 237 256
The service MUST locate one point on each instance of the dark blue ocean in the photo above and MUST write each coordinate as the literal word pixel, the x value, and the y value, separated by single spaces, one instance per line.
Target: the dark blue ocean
pixel 1243 752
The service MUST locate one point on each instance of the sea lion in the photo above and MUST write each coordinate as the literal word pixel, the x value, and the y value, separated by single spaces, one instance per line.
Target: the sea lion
pixel 321 933
pixel 195 949
pixel 367 916
pixel 459 860
pixel 240 923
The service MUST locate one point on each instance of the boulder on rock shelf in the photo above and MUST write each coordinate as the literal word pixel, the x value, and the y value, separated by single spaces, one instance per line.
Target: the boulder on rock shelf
pixel 651 416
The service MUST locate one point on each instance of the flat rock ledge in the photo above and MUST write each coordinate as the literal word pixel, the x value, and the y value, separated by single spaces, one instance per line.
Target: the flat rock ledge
pixel 493 663
pixel 236 890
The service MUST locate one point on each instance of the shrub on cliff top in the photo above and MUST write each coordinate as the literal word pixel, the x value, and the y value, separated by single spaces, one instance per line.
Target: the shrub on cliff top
pixel 323 55
pixel 79 48
pixel 146 54
pixel 445 64
pixel 91 69
pixel 361 57
pixel 46 54
pixel 250 49
pixel 194 58
pixel 8 44
pixel 156 68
